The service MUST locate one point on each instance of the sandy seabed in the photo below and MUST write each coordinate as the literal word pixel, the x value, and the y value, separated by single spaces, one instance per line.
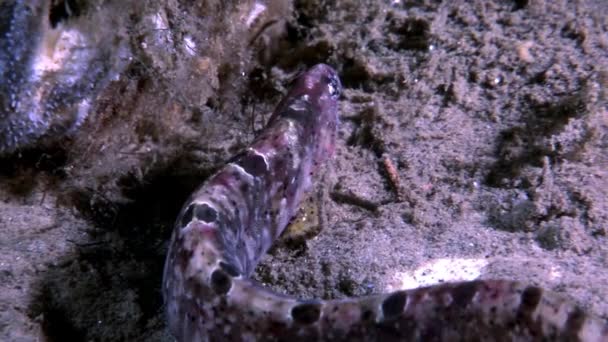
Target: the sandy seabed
pixel 493 115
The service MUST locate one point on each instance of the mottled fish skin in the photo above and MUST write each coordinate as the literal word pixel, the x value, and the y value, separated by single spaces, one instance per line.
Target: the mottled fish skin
pixel 49 75
pixel 233 218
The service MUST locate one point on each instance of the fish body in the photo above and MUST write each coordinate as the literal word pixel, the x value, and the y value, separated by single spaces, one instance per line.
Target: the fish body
pixel 233 218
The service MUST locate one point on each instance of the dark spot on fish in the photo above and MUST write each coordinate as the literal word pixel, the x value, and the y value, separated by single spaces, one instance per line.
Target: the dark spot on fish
pixel 196 288
pixel 254 164
pixel 463 293
pixel 393 305
pixel 204 212
pixel 530 299
pixel 575 321
pixel 306 313
pixel 184 257
pixel 220 282
pixel 367 315
pixel 231 269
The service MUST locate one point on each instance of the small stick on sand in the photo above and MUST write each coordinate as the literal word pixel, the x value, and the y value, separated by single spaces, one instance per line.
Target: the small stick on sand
pixel 392 175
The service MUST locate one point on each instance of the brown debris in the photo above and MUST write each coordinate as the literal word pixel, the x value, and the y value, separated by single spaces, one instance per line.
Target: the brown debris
pixel 348 197
pixel 523 51
pixel 392 175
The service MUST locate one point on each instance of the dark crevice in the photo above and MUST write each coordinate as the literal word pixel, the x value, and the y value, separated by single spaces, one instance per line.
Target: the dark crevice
pixel 126 249
pixel 63 10
pixel 528 144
